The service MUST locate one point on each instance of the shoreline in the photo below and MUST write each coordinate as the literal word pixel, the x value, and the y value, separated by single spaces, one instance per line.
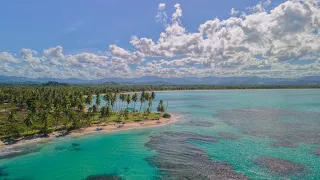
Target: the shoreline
pixel 203 90
pixel 200 90
pixel 94 129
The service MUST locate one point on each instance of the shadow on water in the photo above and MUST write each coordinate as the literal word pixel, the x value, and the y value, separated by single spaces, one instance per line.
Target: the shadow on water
pixel 177 159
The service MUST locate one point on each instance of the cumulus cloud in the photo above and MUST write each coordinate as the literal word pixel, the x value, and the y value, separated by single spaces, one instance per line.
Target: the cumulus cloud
pixel 28 55
pixel 121 55
pixel 260 42
pixel 55 52
pixel 6 57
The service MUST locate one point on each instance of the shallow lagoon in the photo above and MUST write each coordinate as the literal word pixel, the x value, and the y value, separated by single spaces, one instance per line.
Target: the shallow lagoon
pixel 239 134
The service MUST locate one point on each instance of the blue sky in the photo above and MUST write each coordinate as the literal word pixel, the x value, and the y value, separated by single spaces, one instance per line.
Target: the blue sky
pixel 122 38
pixel 83 25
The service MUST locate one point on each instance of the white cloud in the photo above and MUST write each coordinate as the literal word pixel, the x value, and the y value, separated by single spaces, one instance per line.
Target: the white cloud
pixel 28 55
pixel 55 52
pixel 233 12
pixel 177 14
pixel 121 55
pixel 162 15
pixel 261 42
pixel 7 57
pixel 161 6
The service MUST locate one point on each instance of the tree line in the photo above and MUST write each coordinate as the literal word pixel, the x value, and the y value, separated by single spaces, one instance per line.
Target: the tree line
pixel 43 109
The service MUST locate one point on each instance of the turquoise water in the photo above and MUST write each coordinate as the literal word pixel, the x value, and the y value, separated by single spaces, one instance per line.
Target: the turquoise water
pixel 278 124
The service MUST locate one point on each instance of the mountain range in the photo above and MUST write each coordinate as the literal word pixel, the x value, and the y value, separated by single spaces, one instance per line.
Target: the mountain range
pixel 310 80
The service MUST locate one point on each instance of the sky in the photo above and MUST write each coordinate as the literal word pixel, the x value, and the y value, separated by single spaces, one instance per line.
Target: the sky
pixel 183 38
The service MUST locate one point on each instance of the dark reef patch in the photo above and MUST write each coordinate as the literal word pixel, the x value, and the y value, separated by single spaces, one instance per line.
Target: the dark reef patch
pixel 76 149
pixel 73 147
pixel 143 133
pixel 269 123
pixel 75 144
pixel 284 144
pixel 201 106
pixel 60 148
pixel 19 151
pixel 316 151
pixel 3 173
pixel 104 177
pixel 226 135
pixel 126 169
pixel 279 166
pixel 178 159
pixel 197 122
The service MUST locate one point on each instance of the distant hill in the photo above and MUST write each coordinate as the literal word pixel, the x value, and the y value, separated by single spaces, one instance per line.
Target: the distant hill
pixel 111 83
pixel 153 80
pixel 54 83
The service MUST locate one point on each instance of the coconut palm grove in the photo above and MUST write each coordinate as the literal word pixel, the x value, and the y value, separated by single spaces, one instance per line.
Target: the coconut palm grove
pixel 29 110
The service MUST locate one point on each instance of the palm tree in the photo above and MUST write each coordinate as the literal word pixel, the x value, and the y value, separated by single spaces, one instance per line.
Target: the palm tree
pixel 12 116
pixel 147 98
pixel 89 99
pixel 57 115
pixel 74 119
pixel 45 119
pixel 122 98
pixel 108 112
pixel 98 101
pixel 135 99
pixel 66 113
pixel 113 100
pixel 29 121
pixel 103 111
pixel 81 108
pixel 128 100
pixel 66 106
pixel 89 111
pixel 94 110
pixel 160 107
pixel 108 98
pixel 142 99
pixel 153 96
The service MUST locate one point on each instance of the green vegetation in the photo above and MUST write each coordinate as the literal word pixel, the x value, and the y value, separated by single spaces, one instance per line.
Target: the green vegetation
pixel 44 108
pixel 167 115
pixel 28 110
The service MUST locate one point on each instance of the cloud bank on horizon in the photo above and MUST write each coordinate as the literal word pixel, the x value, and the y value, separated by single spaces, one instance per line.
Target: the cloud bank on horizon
pixel 281 41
